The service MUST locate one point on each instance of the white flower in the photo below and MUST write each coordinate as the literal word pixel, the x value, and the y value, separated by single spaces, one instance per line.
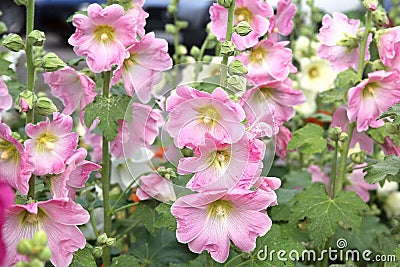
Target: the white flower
pixel 387 188
pixel 392 205
pixel 316 75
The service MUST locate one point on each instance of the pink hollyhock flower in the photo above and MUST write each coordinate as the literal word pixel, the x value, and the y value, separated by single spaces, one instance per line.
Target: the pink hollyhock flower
pixel 52 143
pixel 282 22
pixel 221 166
pixel 71 87
pixel 103 35
pixel 6 200
pixel 317 175
pixel 389 148
pixel 372 97
pixel 16 166
pixel 194 113
pixel 269 185
pixel 57 218
pixel 333 30
pixel 139 132
pixel 5 98
pixel 264 125
pixel 282 140
pixel 95 142
pixel 389 48
pixel 340 119
pixel 207 221
pixel 147 58
pixel 272 95
pixel 255 12
pixel 156 186
pixel 136 10
pixel 75 175
pixel 267 61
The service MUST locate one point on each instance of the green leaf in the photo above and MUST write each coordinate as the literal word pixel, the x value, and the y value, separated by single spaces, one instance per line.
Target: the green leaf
pixel 297 178
pixel 108 111
pixel 393 112
pixel 379 134
pixel 125 261
pixel 323 214
pixel 346 79
pixel 145 213
pixel 388 169
pixel 308 139
pixel 84 258
pixel 164 218
pixel 281 212
pixel 333 95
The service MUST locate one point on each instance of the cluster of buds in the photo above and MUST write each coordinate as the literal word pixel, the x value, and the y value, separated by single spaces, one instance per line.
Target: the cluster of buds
pixel 42 105
pixel 167 173
pixel 104 241
pixel 36 250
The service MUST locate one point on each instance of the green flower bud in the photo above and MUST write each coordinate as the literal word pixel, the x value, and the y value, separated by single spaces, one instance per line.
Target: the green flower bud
pixel 36 263
pixel 45 254
pixel 181 24
pixel 172 8
pixel 207 58
pixel 343 137
pixel 371 4
pixel 349 41
pixel 21 2
pixel 243 28
pixel 97 252
pixel 170 28
pixel 227 48
pixel 28 97
pixel 44 106
pixel 237 68
pixel 90 196
pixel 3 27
pixel 195 51
pixel 379 16
pixel 52 62
pixel 225 3
pixel 21 264
pixel 187 152
pixel 358 157
pixel 13 42
pixel 111 241
pixel 377 65
pixel 391 128
pixel 25 247
pixel 36 38
pixel 102 239
pixel 182 50
pixel 167 176
pixel 236 83
pixel 39 238
pixel 334 133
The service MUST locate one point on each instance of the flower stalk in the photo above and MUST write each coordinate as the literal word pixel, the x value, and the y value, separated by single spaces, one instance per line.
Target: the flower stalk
pixel 228 37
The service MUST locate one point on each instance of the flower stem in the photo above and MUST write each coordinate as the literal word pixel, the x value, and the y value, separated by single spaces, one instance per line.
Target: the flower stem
pixel 210 261
pixel 228 37
pixel 363 44
pixel 93 223
pixel 200 57
pixel 332 186
pixel 125 207
pixel 105 179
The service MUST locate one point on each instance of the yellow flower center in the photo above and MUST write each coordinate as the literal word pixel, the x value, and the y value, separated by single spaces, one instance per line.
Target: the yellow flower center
pixel 257 55
pixel 129 62
pixel 45 142
pixel 8 151
pixel 220 208
pixel 30 218
pixel 243 14
pixel 104 33
pixel 369 90
pixel 208 115
pixel 220 158
pixel 313 72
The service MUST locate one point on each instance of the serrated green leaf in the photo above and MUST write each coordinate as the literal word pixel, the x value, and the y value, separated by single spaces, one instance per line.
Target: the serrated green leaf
pixel 379 134
pixel 388 169
pixel 84 258
pixel 394 112
pixel 126 261
pixel 324 214
pixel 164 218
pixel 145 212
pixel 308 139
pixel 108 111
pixel 333 95
pixel 281 212
pixel 346 79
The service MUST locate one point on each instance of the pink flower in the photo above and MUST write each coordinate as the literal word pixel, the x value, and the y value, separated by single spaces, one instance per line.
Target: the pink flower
pixel 6 200
pixel 75 175
pixel 274 95
pixel 103 35
pixel 269 185
pixel 95 142
pixel 389 147
pixel 267 61
pixel 389 48
pixel 207 221
pixel 155 186
pixel 147 58
pixel 16 165
pixel 333 30
pixel 139 14
pixel 57 218
pixel 194 113
pixel 317 175
pixel 139 132
pixel 339 119
pixel 71 87
pixel 283 21
pixel 358 184
pixel 372 97
pixel 221 166
pixel 52 143
pixel 282 140
pixel 255 12
pixel 5 98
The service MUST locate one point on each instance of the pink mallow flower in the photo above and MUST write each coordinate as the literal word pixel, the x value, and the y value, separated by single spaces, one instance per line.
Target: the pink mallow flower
pixel 282 22
pixel 103 35
pixel 136 10
pixel 75 175
pixel 333 30
pixel 5 98
pixel 221 166
pixel 255 12
pixel 141 70
pixel 390 148
pixel 267 61
pixel 71 87
pixel 16 165
pixel 156 186
pixel 372 97
pixel 6 200
pixel 208 221
pixel 194 113
pixel 57 218
pixel 52 143
pixel 282 140
pixel 389 48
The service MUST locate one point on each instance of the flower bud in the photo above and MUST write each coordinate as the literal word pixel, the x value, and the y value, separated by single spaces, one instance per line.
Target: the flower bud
pixel 44 106
pixel 13 42
pixel 182 50
pixel 3 27
pixel 237 68
pixel 36 38
pixel 25 246
pixel 26 99
pixel 243 28
pixel 195 51
pixel 377 65
pixel 225 3
pixel 343 137
pixel 111 241
pixel 371 4
pixel 45 254
pixel 237 84
pixel 24 106
pixel 207 58
pixel 39 238
pixel 36 263
pixel 181 24
pixel 334 133
pixel 102 239
pixel 52 62
pixel 349 41
pixel 21 264
pixel 358 158
pixel 379 17
pixel 227 48
pixel 187 152
pixel 170 28
pixel 97 252
pixel 172 8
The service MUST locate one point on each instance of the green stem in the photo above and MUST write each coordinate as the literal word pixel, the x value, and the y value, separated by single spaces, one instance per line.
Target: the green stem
pixel 124 207
pixel 343 158
pixel 233 260
pixel 105 180
pixel 363 44
pixel 332 187
pixel 93 223
pixel 200 57
pixel 228 37
pixel 210 261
